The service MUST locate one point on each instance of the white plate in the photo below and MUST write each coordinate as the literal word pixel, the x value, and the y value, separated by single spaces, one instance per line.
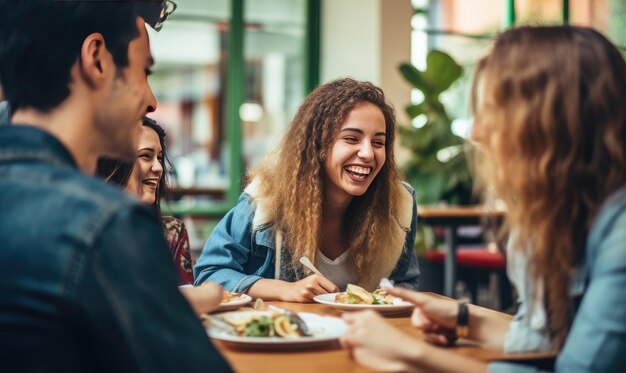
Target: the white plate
pixel 329 299
pixel 324 329
pixel 235 303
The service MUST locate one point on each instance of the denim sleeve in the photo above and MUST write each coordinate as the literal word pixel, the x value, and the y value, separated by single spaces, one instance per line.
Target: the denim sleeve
pixel 597 339
pixel 406 274
pixel 509 367
pixel 129 293
pixel 228 249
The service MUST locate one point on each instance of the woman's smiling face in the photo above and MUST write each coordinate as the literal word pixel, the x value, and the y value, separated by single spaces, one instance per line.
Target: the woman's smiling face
pixel 148 169
pixel 357 154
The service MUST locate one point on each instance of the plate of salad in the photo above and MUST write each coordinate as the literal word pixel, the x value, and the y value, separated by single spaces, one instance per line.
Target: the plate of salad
pixel 274 329
pixel 356 298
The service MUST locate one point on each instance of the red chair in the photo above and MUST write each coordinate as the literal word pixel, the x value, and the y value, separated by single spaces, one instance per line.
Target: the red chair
pixel 474 261
pixel 473 256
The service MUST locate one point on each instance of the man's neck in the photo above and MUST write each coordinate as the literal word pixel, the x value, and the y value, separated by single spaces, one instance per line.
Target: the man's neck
pixel 69 124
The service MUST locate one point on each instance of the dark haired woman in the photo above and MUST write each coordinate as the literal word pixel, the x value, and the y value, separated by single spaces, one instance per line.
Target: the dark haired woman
pixel 330 192
pixel 146 178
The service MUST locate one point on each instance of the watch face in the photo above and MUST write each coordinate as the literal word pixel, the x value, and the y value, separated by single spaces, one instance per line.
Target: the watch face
pixel 462 331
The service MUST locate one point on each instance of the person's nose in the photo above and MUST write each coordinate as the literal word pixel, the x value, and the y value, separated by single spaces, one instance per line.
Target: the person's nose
pixel 152 101
pixel 157 167
pixel 366 152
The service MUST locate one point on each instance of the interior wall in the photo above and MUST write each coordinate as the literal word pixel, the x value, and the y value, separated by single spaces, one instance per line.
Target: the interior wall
pixel 367 40
pixel 395 49
pixel 350 42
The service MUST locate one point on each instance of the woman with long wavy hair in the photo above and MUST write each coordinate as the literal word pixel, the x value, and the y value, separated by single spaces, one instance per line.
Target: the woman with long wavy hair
pixel 550 114
pixel 330 192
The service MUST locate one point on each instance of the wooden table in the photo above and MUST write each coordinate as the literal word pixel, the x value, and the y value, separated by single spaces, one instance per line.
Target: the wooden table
pixel 452 218
pixel 332 358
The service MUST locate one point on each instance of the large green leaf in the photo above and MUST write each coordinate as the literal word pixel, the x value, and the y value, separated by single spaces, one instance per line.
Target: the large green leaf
pixel 414 76
pixel 441 72
pixel 415 110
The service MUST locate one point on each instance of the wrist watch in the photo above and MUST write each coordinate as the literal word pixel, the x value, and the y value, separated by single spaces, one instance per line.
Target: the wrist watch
pixel 462 321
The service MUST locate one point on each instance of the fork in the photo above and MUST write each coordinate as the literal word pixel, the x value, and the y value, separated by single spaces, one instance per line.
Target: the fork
pixel 385 283
pixel 307 263
pixel 293 316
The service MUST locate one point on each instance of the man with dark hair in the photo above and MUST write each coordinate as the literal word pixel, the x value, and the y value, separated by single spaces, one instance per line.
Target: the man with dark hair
pixel 86 281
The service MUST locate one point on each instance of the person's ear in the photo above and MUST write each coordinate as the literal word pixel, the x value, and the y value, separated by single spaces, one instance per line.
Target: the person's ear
pixel 95 63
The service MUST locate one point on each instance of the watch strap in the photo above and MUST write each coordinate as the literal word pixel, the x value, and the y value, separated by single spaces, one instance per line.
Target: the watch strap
pixel 462 320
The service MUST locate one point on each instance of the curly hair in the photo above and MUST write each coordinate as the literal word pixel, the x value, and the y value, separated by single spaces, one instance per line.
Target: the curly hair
pixel 292 180
pixel 553 120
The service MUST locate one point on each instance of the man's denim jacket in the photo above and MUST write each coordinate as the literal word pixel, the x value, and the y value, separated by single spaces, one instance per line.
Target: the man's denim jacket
pixel 87 282
pixel 237 254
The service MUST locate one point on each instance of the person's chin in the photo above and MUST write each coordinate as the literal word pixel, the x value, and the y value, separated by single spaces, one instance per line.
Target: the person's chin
pixel 148 199
pixel 356 189
pixel 356 192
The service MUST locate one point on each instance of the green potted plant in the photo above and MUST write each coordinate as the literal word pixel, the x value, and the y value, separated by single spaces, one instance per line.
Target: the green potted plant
pixel 437 166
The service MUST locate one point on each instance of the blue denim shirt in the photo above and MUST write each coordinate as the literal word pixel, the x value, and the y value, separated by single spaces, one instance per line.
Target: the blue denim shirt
pixel 87 282
pixel 236 255
pixel 597 338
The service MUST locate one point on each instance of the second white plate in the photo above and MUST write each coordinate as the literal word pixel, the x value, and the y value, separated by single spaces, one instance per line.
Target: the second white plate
pixel 235 303
pixel 329 299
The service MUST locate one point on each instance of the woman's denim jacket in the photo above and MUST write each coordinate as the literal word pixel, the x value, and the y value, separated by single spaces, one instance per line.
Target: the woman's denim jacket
pixel 597 339
pixel 236 255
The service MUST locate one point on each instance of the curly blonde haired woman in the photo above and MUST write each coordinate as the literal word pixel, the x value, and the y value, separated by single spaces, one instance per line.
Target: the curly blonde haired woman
pixel 551 116
pixel 330 192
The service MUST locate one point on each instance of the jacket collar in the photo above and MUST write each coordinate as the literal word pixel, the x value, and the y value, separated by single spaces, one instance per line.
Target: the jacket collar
pixel 265 234
pixel 29 143
pixel 405 213
pixel 261 218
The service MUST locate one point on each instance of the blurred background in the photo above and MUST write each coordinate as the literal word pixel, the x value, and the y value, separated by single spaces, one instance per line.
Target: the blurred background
pixel 230 74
